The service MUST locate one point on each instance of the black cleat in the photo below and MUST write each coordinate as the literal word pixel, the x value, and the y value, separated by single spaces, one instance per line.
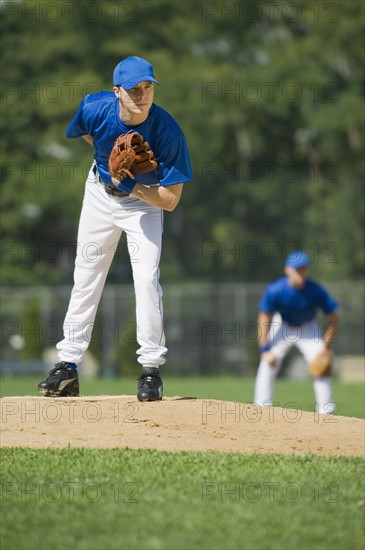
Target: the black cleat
pixel 150 385
pixel 62 381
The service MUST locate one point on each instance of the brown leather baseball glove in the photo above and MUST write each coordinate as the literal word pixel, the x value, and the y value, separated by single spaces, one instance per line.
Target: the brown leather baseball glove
pixel 322 364
pixel 130 155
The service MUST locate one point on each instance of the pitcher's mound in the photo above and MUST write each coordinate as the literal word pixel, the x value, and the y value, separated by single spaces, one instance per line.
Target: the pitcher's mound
pixel 175 424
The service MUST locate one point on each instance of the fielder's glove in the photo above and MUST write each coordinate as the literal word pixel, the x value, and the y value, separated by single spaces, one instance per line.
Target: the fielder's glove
pixel 321 364
pixel 130 155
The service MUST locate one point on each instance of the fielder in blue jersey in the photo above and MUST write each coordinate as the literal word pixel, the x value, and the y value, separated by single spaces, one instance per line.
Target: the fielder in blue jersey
pixel 287 317
pixel 134 206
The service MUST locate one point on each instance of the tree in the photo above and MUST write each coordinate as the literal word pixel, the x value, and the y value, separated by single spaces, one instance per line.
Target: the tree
pixel 269 96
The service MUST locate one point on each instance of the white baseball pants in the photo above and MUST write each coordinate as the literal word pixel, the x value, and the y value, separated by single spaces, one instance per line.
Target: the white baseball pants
pixel 307 339
pixel 102 221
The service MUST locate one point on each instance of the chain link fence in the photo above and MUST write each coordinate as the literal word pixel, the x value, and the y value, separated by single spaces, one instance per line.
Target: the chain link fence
pixel 210 328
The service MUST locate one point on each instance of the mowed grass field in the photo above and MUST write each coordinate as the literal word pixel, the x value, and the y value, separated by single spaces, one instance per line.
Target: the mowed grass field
pixel 131 499
pixel 349 398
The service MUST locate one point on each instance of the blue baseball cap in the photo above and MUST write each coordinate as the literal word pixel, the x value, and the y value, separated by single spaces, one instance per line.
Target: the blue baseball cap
pixel 131 71
pixel 297 259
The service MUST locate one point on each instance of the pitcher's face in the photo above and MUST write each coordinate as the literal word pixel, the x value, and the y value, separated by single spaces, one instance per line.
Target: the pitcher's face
pixel 137 100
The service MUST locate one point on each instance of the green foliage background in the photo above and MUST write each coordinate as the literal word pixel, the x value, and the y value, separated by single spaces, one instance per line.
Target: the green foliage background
pixel 269 95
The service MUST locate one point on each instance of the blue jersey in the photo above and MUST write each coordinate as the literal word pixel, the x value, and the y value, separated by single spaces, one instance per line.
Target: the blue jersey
pixel 296 306
pixel 98 116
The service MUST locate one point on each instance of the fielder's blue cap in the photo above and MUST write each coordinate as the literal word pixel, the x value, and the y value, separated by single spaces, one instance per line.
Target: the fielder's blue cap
pixel 297 259
pixel 131 71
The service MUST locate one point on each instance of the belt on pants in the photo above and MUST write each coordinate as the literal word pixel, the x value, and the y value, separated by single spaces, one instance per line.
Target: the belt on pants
pixel 110 190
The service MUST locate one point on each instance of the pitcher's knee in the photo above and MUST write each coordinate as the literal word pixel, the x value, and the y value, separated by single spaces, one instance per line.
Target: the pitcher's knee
pixel 146 279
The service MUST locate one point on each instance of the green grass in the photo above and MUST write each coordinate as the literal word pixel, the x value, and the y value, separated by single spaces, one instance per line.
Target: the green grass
pixel 349 398
pixel 131 499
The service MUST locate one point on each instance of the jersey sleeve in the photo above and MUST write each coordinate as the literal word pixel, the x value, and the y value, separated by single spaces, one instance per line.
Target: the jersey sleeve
pixel 326 302
pixel 77 126
pixel 267 302
pixel 174 163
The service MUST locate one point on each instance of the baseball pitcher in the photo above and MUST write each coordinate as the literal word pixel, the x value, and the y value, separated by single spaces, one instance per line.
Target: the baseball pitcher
pixel 141 162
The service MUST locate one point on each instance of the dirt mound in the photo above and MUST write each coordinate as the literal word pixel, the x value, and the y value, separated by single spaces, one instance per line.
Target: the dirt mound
pixel 175 424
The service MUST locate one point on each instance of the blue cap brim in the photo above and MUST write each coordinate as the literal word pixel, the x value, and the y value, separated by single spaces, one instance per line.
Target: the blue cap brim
pixel 132 83
pixel 296 264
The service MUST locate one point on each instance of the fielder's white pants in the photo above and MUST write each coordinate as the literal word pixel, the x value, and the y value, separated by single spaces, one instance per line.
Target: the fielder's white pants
pixel 102 221
pixel 307 339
